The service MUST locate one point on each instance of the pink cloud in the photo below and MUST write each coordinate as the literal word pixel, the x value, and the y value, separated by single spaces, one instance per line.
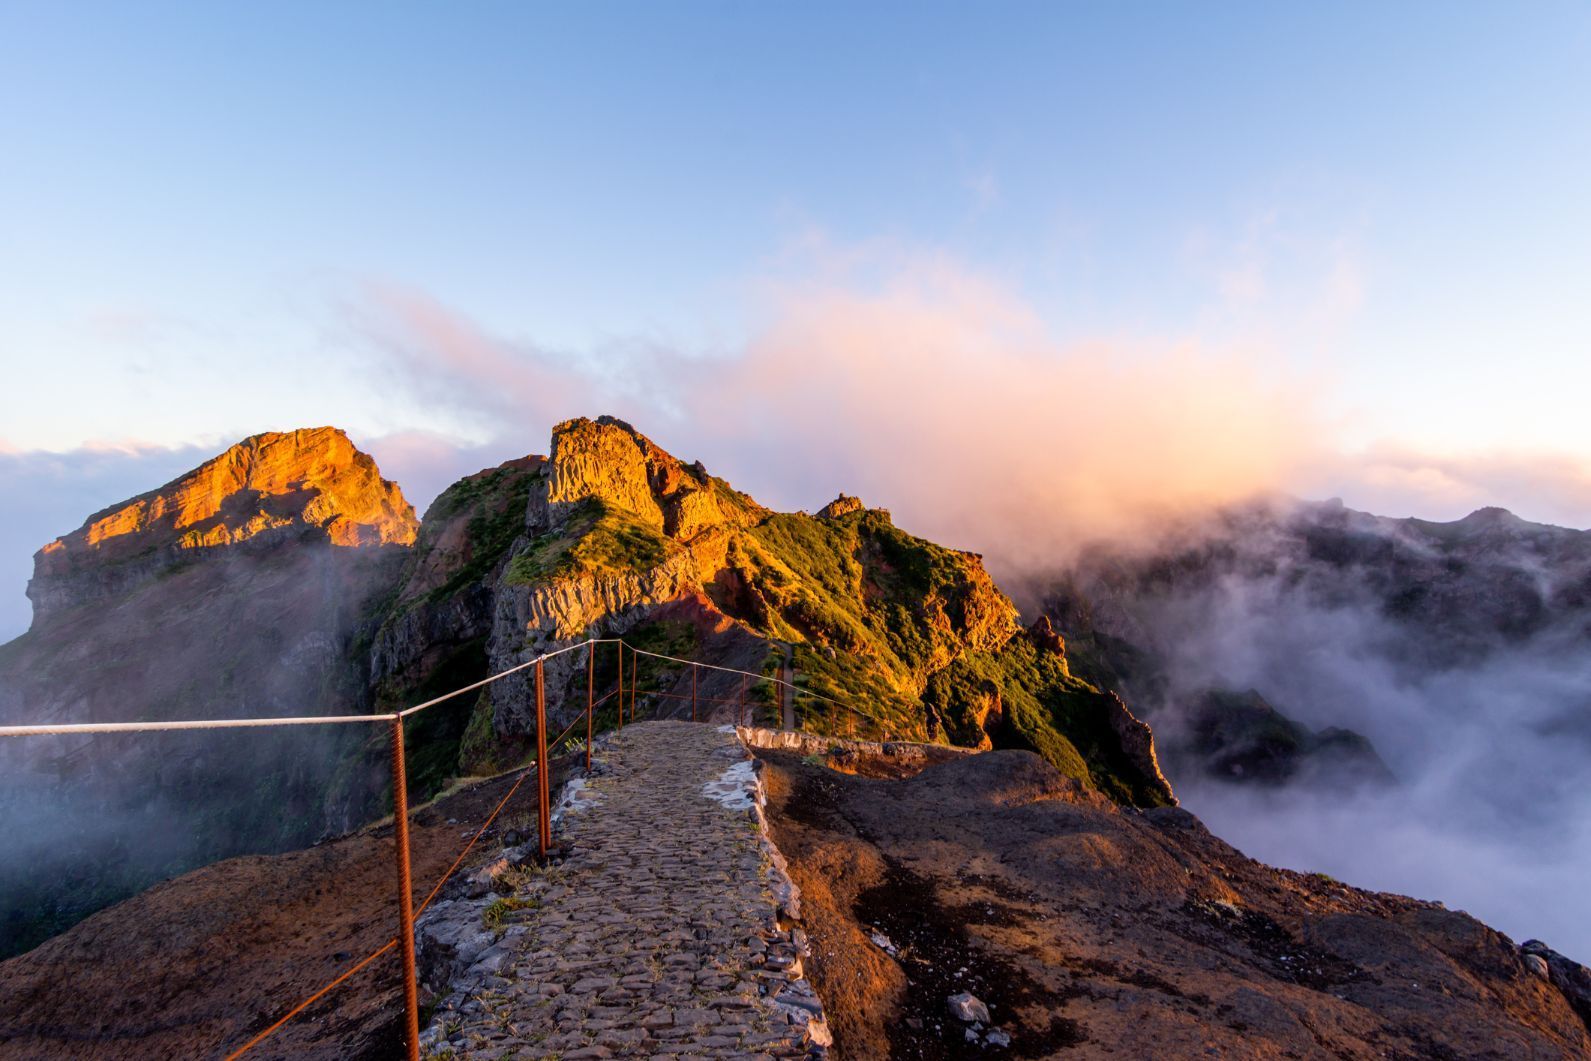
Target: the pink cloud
pixel 424 463
pixel 930 388
pixel 937 392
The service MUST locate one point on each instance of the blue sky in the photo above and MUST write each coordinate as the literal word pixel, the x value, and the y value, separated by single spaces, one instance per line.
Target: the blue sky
pixel 205 212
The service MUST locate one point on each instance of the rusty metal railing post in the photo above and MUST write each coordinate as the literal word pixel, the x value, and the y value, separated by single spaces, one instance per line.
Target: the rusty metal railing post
pixel 694 669
pixel 620 697
pixel 591 692
pixel 543 767
pixel 400 836
pixel 745 708
pixel 635 678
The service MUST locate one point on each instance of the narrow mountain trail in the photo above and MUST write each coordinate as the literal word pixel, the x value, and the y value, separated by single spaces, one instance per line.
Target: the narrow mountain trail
pixel 657 934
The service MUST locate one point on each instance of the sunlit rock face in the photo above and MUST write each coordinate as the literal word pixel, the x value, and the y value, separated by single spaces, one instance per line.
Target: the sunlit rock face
pixel 608 461
pixel 313 483
pixel 245 588
pixel 843 505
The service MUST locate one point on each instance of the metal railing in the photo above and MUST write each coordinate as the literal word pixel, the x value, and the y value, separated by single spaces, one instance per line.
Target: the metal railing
pixel 407 912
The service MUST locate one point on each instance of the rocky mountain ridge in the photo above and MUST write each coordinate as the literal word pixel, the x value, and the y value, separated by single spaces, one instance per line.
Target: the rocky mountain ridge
pixel 311 482
pixel 286 577
pixel 621 538
pixel 324 592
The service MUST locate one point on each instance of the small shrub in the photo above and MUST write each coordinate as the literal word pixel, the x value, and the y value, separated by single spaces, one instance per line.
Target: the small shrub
pixel 497 910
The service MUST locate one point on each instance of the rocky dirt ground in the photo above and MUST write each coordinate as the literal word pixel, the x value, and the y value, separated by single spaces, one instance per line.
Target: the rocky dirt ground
pixel 952 907
pixel 1090 930
pixel 195 966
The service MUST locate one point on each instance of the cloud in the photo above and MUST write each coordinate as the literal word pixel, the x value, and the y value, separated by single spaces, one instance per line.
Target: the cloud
pixel 46 494
pixel 927 387
pixel 424 463
pixel 450 364
pixel 941 394
pixel 1493 806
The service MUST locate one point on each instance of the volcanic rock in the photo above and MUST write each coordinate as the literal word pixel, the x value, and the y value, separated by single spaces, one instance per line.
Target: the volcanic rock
pixel 269 487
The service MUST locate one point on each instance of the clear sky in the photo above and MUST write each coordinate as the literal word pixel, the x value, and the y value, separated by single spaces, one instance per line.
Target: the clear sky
pixel 208 212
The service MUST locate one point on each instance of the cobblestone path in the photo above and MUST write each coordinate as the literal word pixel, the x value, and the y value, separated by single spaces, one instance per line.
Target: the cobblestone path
pixel 658 934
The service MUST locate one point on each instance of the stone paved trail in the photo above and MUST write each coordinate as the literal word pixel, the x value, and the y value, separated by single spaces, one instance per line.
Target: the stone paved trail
pixel 657 935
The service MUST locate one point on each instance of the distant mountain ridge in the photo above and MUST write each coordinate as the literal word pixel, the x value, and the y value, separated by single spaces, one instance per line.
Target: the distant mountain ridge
pixel 1485 580
pixel 1443 596
pixel 271 485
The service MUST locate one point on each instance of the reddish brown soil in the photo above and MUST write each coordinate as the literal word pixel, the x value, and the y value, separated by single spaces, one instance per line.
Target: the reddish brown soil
pixel 196 966
pixel 1097 931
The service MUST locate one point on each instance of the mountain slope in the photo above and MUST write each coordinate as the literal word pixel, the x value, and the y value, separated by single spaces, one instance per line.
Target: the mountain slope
pixel 238 590
pixel 1090 930
pixel 622 538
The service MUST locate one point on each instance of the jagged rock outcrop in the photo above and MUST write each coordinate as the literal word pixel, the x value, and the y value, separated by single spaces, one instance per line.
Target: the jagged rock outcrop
pixel 1567 975
pixel 608 461
pixel 1045 637
pixel 1137 742
pixel 843 505
pixel 311 482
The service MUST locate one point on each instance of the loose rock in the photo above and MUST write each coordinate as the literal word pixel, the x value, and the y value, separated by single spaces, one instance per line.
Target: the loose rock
pixel 967 1007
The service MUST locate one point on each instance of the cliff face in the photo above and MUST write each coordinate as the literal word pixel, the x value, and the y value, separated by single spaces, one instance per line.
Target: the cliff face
pixel 241 589
pixel 311 483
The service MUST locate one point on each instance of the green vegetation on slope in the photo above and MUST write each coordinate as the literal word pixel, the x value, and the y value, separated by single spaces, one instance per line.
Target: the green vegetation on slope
pixel 1043 707
pixel 914 637
pixel 598 537
pixel 498 498
pixel 862 587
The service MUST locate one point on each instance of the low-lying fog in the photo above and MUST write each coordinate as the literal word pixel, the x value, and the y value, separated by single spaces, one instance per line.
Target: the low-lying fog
pixel 1492 813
